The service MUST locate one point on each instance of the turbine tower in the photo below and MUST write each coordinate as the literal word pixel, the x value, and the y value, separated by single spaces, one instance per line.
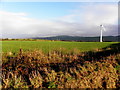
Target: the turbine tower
pixel 101 29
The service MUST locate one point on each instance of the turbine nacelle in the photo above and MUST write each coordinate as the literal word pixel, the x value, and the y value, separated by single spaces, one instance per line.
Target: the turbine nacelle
pixel 102 27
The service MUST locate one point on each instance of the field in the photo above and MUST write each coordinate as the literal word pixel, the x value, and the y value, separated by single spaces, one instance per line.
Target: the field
pixel 46 46
pixel 60 64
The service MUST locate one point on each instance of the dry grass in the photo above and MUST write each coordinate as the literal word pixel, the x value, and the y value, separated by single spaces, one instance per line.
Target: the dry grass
pixel 58 70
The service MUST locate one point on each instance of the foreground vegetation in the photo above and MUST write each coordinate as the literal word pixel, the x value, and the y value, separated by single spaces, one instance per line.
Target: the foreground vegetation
pixel 91 69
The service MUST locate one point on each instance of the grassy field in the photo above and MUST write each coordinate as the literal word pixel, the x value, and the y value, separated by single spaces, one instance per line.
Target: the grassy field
pixel 96 66
pixel 45 46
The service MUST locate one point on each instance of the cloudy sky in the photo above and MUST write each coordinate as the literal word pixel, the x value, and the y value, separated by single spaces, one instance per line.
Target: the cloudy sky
pixel 40 19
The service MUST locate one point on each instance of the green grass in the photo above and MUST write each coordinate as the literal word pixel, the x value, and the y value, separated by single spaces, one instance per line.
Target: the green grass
pixel 45 46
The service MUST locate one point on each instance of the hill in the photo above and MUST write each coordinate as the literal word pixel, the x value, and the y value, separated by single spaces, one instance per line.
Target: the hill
pixel 83 39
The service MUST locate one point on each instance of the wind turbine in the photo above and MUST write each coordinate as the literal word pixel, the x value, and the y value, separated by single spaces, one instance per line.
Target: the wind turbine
pixel 101 29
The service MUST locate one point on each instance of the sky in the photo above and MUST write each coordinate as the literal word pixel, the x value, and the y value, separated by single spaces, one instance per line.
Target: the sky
pixel 45 19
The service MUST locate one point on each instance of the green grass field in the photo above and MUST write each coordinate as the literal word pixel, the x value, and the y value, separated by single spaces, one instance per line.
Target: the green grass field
pixel 45 46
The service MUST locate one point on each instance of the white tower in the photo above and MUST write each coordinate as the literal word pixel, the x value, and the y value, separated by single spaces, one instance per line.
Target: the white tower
pixel 101 29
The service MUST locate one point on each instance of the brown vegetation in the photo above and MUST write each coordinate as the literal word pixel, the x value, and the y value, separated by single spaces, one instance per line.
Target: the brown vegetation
pixel 58 70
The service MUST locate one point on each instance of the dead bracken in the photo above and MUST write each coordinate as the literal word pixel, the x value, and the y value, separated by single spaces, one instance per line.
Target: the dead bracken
pixel 59 70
